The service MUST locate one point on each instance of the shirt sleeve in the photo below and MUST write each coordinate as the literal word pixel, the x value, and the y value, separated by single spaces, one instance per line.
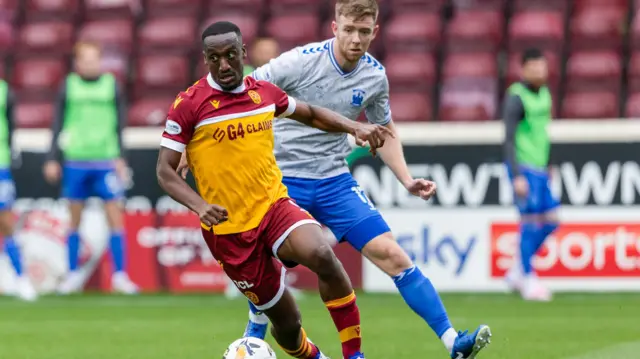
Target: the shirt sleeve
pixel 179 127
pixel 10 108
pixel 379 111
pixel 284 71
pixel 512 114
pixel 56 125
pixel 121 104
pixel 285 104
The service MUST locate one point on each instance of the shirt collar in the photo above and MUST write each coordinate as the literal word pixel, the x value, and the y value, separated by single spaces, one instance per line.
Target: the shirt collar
pixel 334 61
pixel 215 86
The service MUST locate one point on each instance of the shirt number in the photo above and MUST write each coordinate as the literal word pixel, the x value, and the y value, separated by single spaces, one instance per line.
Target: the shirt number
pixel 363 197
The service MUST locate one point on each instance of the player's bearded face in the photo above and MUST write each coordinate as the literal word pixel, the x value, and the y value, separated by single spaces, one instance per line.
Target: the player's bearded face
pixel 224 56
pixel 354 36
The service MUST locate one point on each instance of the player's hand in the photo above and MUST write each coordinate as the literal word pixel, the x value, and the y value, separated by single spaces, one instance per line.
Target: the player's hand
pixel 183 166
pixel 521 186
pixel 421 188
pixel 52 171
pixel 212 214
pixel 123 172
pixel 375 135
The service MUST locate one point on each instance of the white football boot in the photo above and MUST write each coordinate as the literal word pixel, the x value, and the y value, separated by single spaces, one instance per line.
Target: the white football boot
pixel 121 283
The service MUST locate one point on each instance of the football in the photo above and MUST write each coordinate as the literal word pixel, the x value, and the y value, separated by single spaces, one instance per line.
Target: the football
pixel 249 348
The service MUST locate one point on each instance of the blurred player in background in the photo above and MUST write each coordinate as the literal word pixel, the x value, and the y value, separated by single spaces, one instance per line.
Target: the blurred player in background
pixel 263 50
pixel 527 114
pixel 87 139
pixel 23 289
pixel 225 124
pixel 339 74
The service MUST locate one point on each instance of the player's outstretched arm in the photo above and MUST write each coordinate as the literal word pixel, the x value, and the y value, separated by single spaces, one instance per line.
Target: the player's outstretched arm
pixel 329 121
pixel 172 183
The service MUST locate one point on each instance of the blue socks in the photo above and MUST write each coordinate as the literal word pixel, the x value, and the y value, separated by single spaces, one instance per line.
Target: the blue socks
pixel 532 236
pixel 544 232
pixel 529 239
pixel 116 244
pixel 13 252
pixel 73 248
pixel 421 296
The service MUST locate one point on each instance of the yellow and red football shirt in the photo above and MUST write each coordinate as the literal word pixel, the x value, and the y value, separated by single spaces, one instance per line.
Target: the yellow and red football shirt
pixel 228 137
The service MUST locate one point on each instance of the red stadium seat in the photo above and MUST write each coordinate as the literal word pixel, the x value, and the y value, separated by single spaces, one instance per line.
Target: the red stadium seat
pixel 413 32
pixel 407 6
pixel 411 72
pixel 474 65
pixel 9 10
pixel 468 99
pixel 36 79
pixel 172 8
pixel 200 69
pixel 176 34
pixel 632 108
pixel 594 71
pixel 7 37
pixel 410 106
pixel 249 25
pixel 34 114
pixel 116 63
pixel 47 9
pixel 542 29
pixel 599 27
pixel 161 75
pixel 51 37
pixel 219 7
pixel 110 34
pixel 149 111
pixel 111 9
pixel 294 30
pixel 635 31
pixel 475 31
pixel 590 105
pixel 295 6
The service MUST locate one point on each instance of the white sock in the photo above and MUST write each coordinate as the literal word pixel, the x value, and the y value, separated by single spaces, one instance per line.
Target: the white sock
pixel 448 338
pixel 258 318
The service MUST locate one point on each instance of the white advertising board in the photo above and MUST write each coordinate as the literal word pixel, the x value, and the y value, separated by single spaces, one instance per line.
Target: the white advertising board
pixel 595 249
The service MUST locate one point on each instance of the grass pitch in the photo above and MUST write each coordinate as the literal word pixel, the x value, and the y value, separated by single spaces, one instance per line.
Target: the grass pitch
pixel 573 326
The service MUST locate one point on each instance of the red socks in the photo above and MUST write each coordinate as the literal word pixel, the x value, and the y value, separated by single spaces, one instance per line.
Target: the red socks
pixel 306 350
pixel 346 317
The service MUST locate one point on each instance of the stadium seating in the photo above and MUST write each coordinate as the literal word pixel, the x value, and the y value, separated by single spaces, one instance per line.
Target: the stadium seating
pixel 440 68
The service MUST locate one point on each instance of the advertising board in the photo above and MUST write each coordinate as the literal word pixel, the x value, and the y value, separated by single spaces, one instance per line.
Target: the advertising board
pixel 470 249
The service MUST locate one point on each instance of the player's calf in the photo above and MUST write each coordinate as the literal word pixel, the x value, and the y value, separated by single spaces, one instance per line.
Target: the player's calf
pixel 306 245
pixel 416 289
pixel 287 329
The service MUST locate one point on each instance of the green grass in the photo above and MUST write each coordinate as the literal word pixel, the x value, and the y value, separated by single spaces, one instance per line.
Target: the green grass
pixel 577 326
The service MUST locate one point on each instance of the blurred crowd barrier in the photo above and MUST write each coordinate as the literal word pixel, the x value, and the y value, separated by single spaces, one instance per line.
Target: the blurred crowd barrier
pixel 463 239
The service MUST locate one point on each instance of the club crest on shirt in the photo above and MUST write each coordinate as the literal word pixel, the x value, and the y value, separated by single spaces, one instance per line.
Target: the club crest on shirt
pixel 255 97
pixel 357 97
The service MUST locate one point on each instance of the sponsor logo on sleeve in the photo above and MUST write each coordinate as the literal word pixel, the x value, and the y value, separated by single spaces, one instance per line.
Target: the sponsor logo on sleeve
pixel 172 127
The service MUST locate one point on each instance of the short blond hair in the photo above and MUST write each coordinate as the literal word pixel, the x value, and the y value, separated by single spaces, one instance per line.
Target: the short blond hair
pixel 358 9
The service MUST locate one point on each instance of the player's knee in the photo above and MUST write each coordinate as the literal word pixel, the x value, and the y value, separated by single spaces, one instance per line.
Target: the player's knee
pixel 324 261
pixel 387 255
